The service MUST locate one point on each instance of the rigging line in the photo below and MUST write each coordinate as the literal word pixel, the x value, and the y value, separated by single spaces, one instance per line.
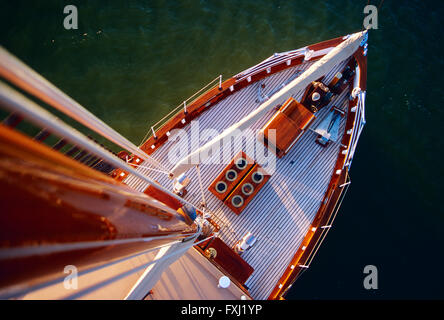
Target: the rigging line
pixel 177 108
pixel 125 274
pixel 145 167
pixel 318 245
pixel 145 138
pixel 148 168
pixel 200 185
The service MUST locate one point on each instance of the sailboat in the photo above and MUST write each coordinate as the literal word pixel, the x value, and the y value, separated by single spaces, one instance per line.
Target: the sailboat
pixel 229 196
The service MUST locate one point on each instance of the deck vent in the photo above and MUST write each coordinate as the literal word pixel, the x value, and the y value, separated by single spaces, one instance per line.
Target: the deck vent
pixel 241 163
pixel 221 187
pixel 257 177
pixel 247 189
pixel 237 201
pixel 231 175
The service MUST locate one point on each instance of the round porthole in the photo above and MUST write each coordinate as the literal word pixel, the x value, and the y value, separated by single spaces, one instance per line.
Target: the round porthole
pixel 221 187
pixel 237 201
pixel 241 163
pixel 247 189
pixel 231 175
pixel 257 177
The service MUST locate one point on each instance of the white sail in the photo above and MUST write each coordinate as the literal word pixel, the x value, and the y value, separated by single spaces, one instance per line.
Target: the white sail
pixel 343 51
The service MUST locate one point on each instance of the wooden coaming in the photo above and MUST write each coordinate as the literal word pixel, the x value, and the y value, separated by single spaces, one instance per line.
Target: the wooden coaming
pixel 238 190
pixel 231 184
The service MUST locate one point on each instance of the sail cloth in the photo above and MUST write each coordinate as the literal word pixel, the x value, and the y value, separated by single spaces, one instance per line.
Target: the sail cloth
pixel 341 52
pixel 24 77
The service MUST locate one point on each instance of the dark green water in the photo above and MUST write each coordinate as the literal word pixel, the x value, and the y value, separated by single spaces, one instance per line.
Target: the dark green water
pixel 130 62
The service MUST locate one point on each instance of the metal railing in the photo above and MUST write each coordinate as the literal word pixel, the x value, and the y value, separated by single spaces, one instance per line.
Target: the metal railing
pixel 325 229
pixel 270 62
pixel 183 105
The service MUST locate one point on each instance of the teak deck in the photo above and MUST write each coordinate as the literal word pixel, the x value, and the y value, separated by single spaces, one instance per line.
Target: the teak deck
pixel 296 195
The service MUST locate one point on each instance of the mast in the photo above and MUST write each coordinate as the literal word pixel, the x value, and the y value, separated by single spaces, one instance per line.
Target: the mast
pixel 27 79
pixel 57 212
